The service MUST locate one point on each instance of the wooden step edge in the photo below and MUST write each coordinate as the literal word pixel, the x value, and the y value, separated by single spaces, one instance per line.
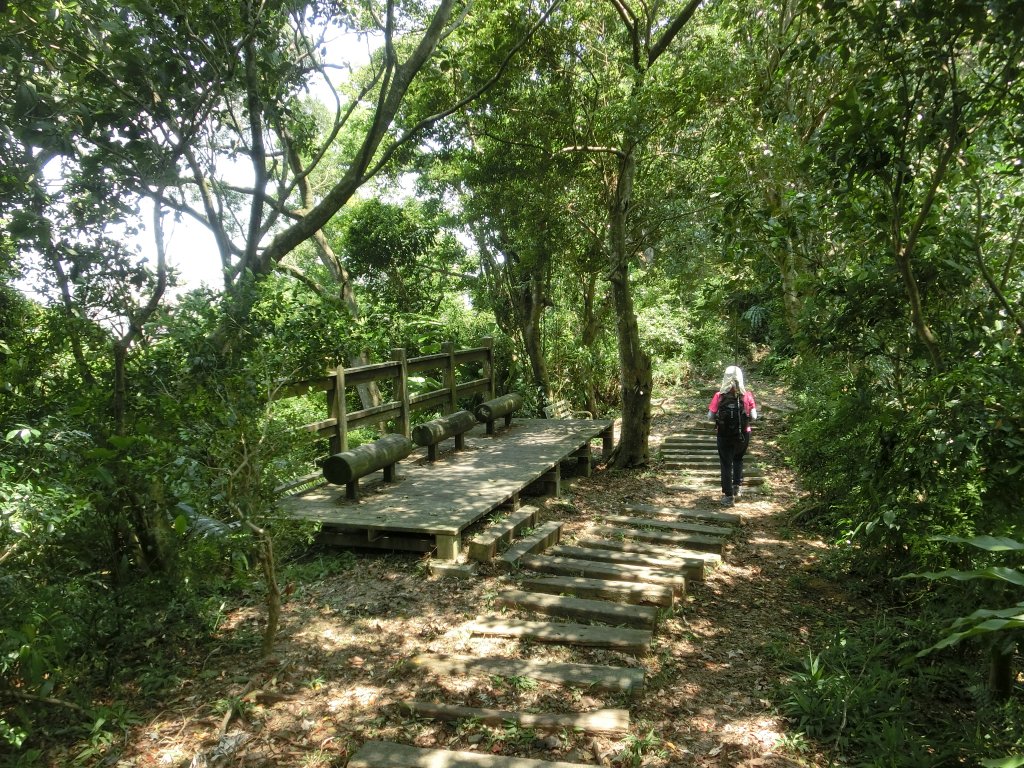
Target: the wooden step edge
pixel 542 537
pixel 484 546
pixel 732 518
pixel 632 592
pixel 386 754
pixel 567 566
pixel 636 641
pixel 689 540
pixel 579 608
pixel 670 525
pixel 640 547
pixel 628 680
pixel 600 721
pixel 690 567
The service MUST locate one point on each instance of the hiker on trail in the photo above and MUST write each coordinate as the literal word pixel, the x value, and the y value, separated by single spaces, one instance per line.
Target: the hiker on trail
pixel 732 409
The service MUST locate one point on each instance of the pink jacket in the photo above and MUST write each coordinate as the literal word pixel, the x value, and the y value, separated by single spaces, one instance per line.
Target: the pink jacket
pixel 749 406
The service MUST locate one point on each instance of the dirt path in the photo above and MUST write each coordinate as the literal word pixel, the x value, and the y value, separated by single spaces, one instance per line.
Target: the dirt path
pixel 342 666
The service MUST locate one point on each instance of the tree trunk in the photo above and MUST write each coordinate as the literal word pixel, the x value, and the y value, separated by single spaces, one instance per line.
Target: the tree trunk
pixel 1000 670
pixel 786 259
pixel 526 290
pixel 588 338
pixel 532 302
pixel 635 379
pixel 269 565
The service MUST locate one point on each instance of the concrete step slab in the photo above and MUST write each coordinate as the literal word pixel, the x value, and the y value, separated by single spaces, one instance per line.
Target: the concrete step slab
pixel 598 677
pixel 386 754
pixel 570 566
pixel 725 518
pixel 635 641
pixel 579 608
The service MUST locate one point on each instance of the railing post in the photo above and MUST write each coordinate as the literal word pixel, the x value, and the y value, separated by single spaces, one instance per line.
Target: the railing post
pixel 402 390
pixel 336 405
pixel 450 379
pixel 488 343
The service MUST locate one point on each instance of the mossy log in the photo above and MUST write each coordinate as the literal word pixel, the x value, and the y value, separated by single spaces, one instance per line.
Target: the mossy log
pixel 433 432
pixel 505 406
pixel 348 466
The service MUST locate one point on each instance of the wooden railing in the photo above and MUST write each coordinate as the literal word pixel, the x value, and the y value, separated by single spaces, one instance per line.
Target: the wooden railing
pixel 448 365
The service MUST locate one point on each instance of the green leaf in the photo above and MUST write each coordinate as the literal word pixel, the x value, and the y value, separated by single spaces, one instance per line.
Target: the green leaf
pixel 122 442
pixel 984 628
pixel 23 434
pixel 988 543
pixel 1013 761
pixel 995 573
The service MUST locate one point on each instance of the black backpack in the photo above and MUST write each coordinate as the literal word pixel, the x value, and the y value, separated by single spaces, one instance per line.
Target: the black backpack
pixel 731 418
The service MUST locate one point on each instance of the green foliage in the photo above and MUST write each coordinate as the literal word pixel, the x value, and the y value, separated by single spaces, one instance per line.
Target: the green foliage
pixel 852 698
pixel 1006 622
pixel 936 456
pixel 636 749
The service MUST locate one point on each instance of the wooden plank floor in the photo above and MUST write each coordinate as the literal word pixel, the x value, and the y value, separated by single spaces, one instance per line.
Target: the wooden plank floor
pixel 444 497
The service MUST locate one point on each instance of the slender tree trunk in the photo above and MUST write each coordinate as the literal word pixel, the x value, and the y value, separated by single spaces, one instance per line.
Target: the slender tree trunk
pixel 532 300
pixel 792 303
pixel 588 338
pixel 269 565
pixel 1000 671
pixel 635 377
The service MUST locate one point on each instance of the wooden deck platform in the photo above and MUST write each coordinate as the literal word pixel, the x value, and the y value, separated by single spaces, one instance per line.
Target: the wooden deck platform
pixel 432 503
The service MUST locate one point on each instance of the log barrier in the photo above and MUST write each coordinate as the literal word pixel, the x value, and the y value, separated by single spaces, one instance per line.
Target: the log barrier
pixel 499 407
pixel 430 433
pixel 347 467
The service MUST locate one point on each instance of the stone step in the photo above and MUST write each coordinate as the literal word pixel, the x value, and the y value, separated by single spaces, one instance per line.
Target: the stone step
pixel 754 478
pixel 710 457
pixel 710 559
pixel 449 569
pixel 597 677
pixel 708 484
pixel 750 470
pixel 386 754
pixel 698 541
pixel 580 609
pixel 694 466
pixel 674 525
pixel 726 518
pixel 622 591
pixel 568 566
pixel 484 546
pixel 540 539
pixel 635 641
pixel 691 568
pixel 599 721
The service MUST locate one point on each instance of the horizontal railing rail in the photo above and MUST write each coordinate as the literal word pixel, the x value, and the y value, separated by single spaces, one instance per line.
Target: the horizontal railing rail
pixel 451 375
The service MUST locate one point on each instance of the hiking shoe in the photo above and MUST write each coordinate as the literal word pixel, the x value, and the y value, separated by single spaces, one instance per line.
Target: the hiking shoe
pixel 728 501
pixel 736 491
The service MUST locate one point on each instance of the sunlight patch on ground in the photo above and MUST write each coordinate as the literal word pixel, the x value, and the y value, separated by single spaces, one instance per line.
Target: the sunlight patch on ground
pixel 760 732
pixel 173 755
pixel 787 544
pixel 335 639
pixel 355 697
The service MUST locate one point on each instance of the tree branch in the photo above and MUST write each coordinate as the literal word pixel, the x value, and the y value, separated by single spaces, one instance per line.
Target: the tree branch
pixel 432 119
pixel 673 29
pixel 983 267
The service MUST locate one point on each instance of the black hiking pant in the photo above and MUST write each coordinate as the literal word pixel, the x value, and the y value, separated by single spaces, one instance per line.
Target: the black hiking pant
pixel 731 448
